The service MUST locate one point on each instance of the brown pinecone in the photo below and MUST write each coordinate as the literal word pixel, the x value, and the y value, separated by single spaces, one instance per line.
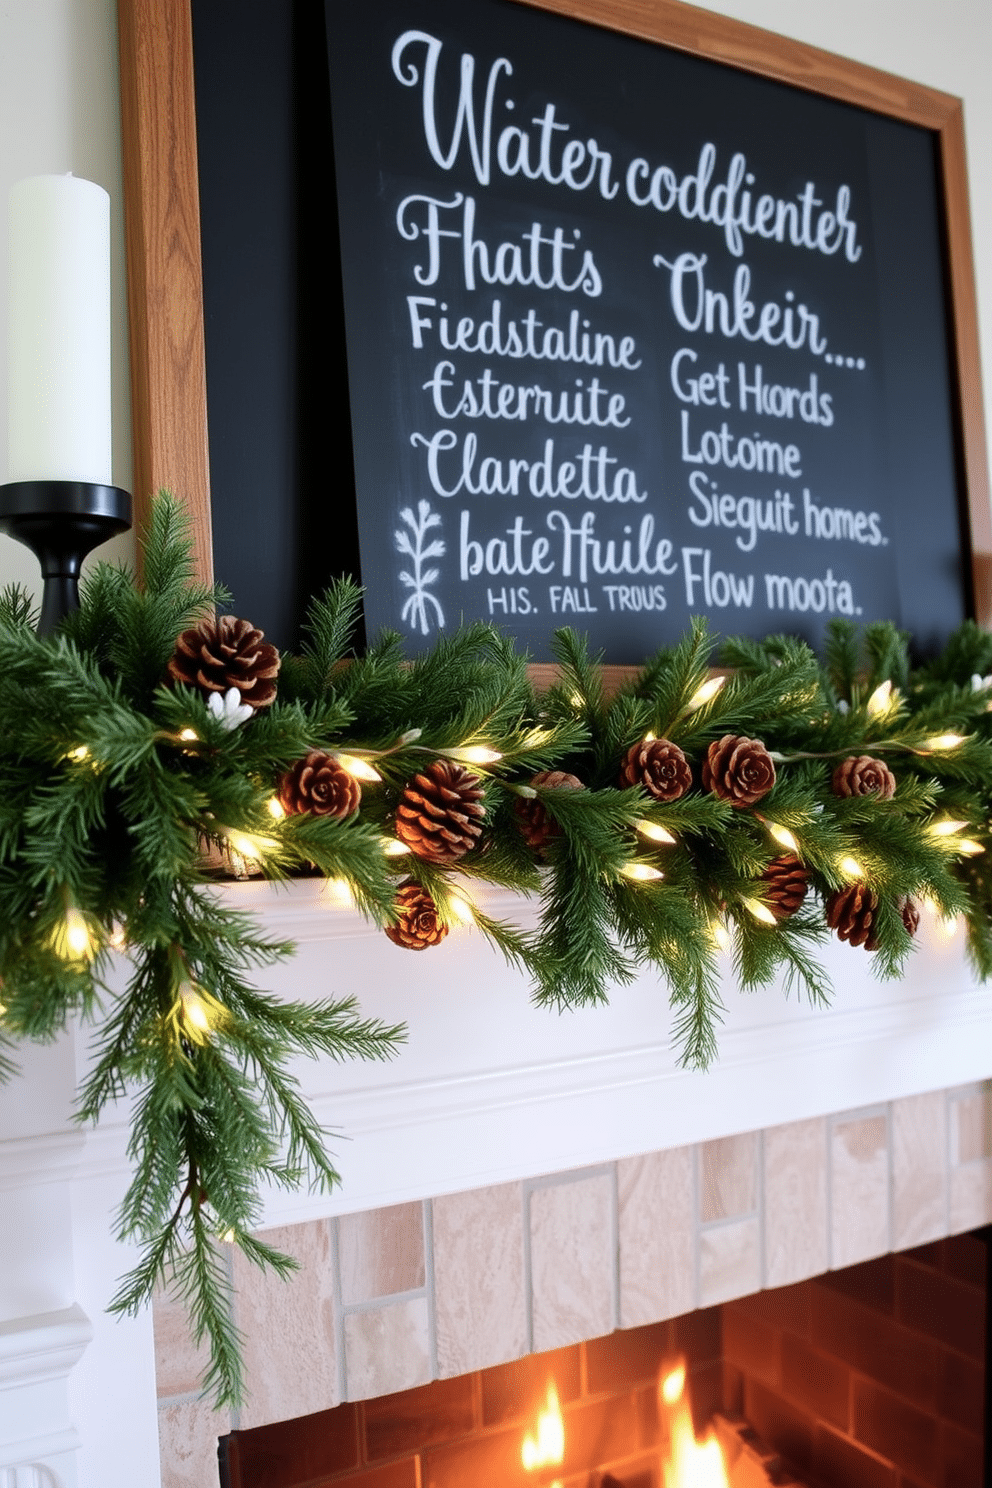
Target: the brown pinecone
pixel 861 775
pixel 318 784
pixel 417 924
pixel 440 813
pixel 740 771
pixel 659 766
pixel 910 912
pixel 535 824
pixel 851 912
pixel 224 653
pixel 786 882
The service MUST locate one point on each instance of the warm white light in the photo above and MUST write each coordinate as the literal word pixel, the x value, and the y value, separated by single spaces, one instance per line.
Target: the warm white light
pixel 275 808
pixel 251 846
pixel 394 848
pixel 945 828
pixel 536 739
pixel 118 937
pixel 760 911
pixel 641 872
pixel 720 935
pixel 193 1009
pixel 850 867
pixel 359 768
pixel 473 754
pixel 78 940
pixel 949 925
pixel 228 1236
pixel 546 1448
pixel 411 736
pixel 189 736
pixel 576 700
pixel 340 889
pixel 881 700
pixel 461 909
pixel 656 833
pixel 783 836
pixel 706 692
pixel 79 754
pixel 944 741
pixel 968 848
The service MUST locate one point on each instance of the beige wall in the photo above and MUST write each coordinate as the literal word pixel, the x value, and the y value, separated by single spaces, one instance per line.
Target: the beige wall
pixel 59 112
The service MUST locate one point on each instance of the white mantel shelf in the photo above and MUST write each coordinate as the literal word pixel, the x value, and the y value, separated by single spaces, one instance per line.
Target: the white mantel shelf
pixel 488 1088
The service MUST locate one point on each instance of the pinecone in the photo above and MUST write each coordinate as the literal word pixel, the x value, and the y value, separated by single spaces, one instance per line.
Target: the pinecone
pixel 224 653
pixel 318 784
pixel 659 766
pixel 535 824
pixel 851 912
pixel 860 775
pixel 740 771
pixel 440 813
pixel 786 882
pixel 910 912
pixel 417 924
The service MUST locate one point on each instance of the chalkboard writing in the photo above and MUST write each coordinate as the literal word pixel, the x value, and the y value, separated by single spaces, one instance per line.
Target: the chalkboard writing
pixel 634 336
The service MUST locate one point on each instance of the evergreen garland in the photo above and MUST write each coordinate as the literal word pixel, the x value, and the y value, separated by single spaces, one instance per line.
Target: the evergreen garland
pixel 733 809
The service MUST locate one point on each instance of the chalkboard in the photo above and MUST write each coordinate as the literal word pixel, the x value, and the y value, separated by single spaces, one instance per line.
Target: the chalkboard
pixel 632 336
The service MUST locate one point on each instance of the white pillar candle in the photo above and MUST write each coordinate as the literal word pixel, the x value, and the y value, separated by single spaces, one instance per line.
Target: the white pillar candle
pixel 59 399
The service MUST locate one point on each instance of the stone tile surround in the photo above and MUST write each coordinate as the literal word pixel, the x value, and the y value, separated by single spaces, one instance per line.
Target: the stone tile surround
pixel 392 1298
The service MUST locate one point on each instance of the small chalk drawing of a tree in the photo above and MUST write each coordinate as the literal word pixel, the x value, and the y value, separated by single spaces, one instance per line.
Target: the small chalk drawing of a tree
pixel 417 608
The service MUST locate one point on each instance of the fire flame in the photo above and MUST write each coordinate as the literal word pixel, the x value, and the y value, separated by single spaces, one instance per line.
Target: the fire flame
pixel 546 1448
pixel 691 1463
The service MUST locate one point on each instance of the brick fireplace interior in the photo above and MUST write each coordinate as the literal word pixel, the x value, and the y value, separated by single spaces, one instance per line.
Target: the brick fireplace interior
pixel 871 1376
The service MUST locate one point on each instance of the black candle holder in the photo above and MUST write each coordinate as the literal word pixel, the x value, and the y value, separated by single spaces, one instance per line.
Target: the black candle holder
pixel 62 521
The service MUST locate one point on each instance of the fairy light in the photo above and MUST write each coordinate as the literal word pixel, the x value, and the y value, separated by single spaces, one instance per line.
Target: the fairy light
pixel 536 738
pixel 655 832
pixel 945 828
pixel 79 754
pixel 73 939
pixel 118 937
pixel 882 700
pixel 760 911
pixel 576 700
pixel 720 935
pixel 394 848
pixel 275 808
pixel 949 925
pixel 461 908
pixel 473 754
pixel 228 1236
pixel 706 692
pixel 340 889
pixel 359 768
pixel 940 742
pixel 194 1011
pixel 249 845
pixel 968 847
pixel 411 736
pixel 850 867
pixel 189 736
pixel 782 836
pixel 641 872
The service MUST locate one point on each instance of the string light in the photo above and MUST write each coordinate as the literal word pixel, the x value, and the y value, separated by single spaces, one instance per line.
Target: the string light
pixel 760 911
pixel 359 768
pixel 882 700
pixel 79 754
pixel 536 738
pixel 193 1011
pixel 850 867
pixel 655 832
pixel 706 692
pixel 782 836
pixel 461 908
pixel 641 872
pixel 275 808
pixel 473 754
pixel 968 848
pixel 118 937
pixel 340 889
pixel 228 1236
pixel 945 828
pixel 942 742
pixel 189 736
pixel 72 939
pixel 394 848
pixel 411 736
pixel 720 935
pixel 250 846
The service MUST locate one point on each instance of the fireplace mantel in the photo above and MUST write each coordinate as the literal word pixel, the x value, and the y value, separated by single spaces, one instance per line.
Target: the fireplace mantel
pixel 487 1089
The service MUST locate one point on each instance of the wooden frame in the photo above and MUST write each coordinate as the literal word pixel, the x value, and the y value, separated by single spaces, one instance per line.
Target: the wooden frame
pixel 165 298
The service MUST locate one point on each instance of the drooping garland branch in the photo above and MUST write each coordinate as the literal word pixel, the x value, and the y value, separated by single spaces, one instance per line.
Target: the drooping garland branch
pixel 757 809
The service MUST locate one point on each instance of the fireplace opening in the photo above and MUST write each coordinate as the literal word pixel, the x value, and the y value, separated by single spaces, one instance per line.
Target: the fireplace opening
pixel 869 1377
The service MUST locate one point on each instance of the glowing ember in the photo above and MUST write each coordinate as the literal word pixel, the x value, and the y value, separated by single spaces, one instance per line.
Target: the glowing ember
pixel 691 1463
pixel 546 1448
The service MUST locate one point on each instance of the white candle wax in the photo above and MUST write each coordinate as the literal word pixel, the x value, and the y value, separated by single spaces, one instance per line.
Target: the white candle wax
pixel 59 399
